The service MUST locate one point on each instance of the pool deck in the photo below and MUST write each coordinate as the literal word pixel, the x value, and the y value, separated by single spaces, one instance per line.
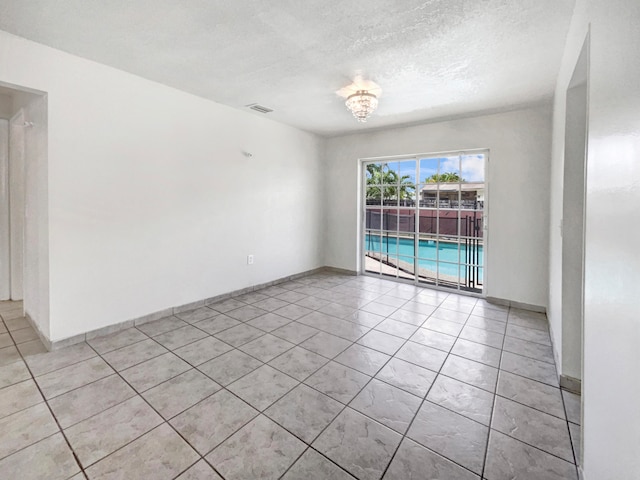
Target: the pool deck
pixel 375 265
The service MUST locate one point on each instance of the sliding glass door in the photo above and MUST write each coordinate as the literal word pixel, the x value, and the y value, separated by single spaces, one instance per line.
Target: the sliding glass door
pixel 423 219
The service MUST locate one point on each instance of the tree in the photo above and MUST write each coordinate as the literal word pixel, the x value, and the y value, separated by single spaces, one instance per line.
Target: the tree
pixel 395 186
pixel 448 177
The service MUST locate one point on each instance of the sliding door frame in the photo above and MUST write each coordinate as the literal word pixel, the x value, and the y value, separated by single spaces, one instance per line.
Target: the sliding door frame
pixel 362 207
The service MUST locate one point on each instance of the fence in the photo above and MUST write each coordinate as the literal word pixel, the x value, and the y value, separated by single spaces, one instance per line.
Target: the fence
pixel 428 203
pixel 471 223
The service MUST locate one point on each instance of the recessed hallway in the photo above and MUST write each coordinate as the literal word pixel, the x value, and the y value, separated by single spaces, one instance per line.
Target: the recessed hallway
pixel 328 376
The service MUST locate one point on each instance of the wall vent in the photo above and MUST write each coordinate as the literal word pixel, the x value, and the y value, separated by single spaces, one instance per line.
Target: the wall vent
pixel 259 108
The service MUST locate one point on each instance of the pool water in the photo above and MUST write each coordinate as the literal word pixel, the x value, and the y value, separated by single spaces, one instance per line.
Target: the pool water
pixel 431 255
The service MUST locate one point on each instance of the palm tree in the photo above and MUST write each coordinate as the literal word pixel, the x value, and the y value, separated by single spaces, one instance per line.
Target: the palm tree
pixel 395 186
pixel 406 190
pixel 447 177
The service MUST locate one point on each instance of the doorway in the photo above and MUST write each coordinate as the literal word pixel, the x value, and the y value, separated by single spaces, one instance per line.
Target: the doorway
pixel 424 219
pixel 24 202
pixel 12 207
pixel 573 213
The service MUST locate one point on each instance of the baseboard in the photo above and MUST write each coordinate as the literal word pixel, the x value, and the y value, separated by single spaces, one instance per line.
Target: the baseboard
pixel 520 305
pixel 167 312
pixel 529 306
pixel 571 384
pixel 498 301
pixel 343 271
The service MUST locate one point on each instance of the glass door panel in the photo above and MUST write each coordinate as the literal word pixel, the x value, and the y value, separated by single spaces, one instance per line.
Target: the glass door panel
pixel 390 218
pixel 424 219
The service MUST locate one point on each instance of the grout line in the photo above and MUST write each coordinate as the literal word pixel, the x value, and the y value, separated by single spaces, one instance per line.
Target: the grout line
pixel 84 385
pixel 122 346
pixel 55 419
pixel 529 406
pixel 494 393
pixel 526 443
pixel 380 293
pixel 164 421
pixel 424 399
pixel 102 411
pixel 137 362
pixel 309 447
pixel 493 404
pixel 344 406
pixel 190 466
pixel 571 440
pixel 56 369
pixel 46 437
pixel 532 358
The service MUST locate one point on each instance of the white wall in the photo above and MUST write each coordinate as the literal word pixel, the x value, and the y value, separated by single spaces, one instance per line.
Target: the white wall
pixel 151 202
pixel 17 217
pixel 611 383
pixel 518 178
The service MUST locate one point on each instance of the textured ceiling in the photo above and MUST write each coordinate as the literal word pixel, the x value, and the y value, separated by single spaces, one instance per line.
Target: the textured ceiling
pixel 432 59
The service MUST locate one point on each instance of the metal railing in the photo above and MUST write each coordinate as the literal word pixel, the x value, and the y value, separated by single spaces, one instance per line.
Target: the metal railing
pixel 470 224
pixel 429 203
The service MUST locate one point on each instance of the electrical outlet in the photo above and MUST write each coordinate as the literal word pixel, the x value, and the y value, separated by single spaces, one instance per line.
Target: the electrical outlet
pixel 249 259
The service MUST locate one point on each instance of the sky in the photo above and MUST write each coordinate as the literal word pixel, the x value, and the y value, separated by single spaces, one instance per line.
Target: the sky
pixel 469 167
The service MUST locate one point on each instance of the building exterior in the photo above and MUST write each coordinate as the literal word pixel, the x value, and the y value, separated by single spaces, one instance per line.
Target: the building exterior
pixel 470 194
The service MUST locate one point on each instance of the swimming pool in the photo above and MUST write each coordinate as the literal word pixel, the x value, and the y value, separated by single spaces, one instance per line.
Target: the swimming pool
pixel 442 256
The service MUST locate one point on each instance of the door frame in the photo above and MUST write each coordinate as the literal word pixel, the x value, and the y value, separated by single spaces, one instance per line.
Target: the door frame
pixel 17 202
pixel 5 213
pixel 361 227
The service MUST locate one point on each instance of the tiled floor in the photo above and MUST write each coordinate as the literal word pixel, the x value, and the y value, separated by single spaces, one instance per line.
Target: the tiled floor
pixel 327 377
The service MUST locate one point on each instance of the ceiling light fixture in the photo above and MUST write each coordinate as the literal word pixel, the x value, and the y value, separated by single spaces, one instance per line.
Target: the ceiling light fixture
pixel 362 104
